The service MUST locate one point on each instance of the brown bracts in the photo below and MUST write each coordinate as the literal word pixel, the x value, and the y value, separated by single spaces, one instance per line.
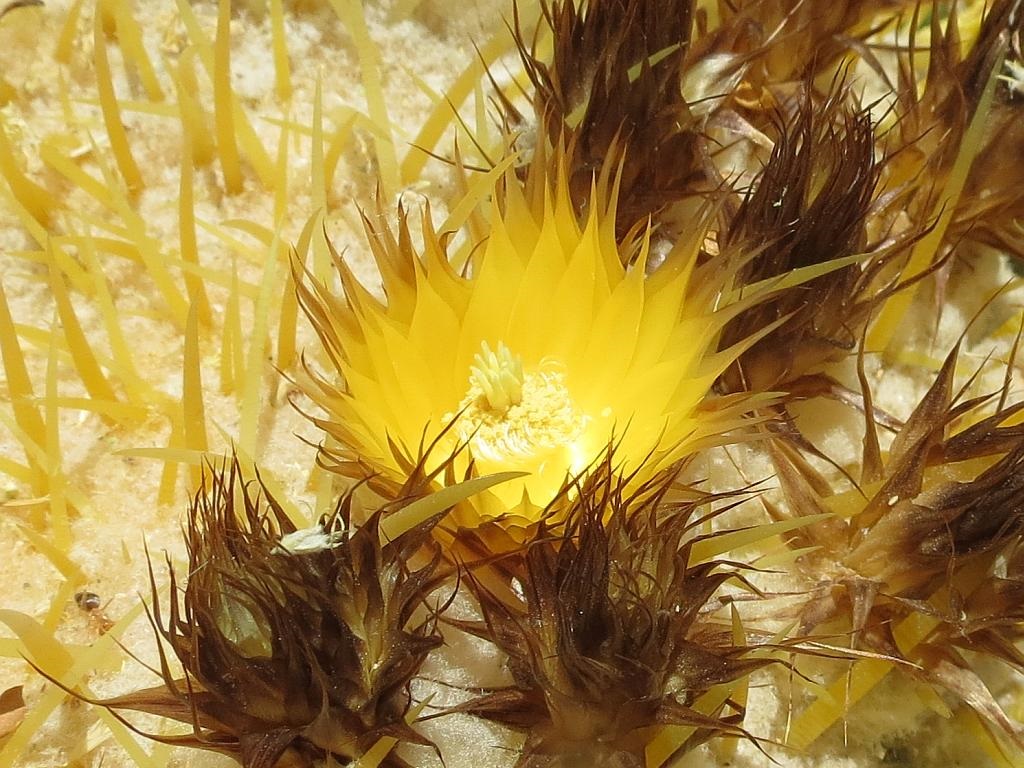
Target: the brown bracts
pixel 933 530
pixel 609 629
pixel 298 646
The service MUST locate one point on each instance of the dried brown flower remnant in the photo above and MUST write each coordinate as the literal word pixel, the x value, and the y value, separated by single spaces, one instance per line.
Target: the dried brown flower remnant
pixel 923 534
pixel 12 710
pixel 993 200
pixel 298 646
pixel 605 630
pixel 935 146
pixel 835 184
pixel 809 206
pixel 991 619
pixel 784 42
pixel 613 91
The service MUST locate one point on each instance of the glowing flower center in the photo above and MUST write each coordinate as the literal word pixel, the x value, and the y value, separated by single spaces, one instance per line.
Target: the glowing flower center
pixel 511 415
pixel 499 376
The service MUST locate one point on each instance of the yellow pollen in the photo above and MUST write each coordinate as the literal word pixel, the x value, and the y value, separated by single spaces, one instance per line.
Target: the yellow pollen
pixel 508 415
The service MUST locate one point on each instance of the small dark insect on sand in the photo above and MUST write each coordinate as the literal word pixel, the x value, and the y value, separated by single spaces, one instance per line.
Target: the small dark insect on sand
pixel 92 604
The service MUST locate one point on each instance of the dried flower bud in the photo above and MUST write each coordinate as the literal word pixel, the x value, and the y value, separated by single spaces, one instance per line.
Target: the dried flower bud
pixel 938 141
pixel 924 534
pixel 297 646
pixel 612 92
pixel 810 205
pixel 609 632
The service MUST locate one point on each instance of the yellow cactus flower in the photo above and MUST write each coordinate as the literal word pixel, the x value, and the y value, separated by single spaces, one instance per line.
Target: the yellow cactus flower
pixel 554 341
